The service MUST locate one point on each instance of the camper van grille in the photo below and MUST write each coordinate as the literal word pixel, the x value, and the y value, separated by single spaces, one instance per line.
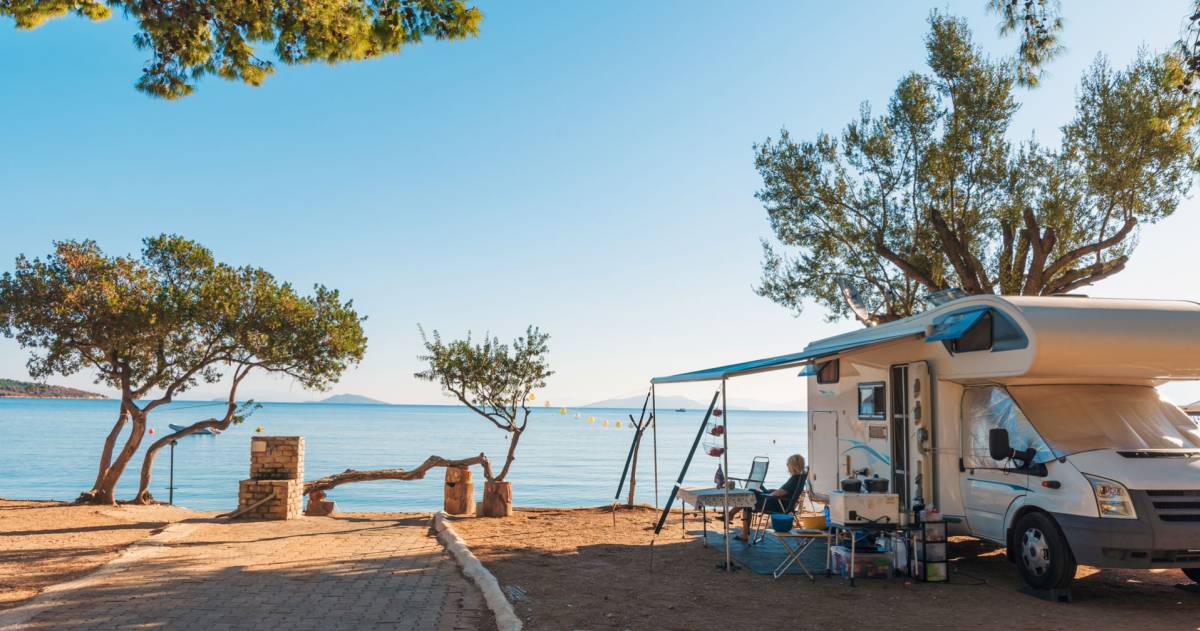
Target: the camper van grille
pixel 1176 506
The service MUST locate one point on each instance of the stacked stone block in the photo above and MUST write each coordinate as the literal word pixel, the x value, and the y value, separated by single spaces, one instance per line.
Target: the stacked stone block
pixel 276 466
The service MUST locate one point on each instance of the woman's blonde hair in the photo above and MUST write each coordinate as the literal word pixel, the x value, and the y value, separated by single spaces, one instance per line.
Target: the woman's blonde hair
pixel 795 464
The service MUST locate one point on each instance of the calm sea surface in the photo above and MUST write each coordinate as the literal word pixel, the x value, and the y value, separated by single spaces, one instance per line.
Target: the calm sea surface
pixel 49 449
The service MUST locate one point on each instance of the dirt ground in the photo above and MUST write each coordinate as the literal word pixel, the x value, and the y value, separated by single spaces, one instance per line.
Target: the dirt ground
pixel 573 569
pixel 43 543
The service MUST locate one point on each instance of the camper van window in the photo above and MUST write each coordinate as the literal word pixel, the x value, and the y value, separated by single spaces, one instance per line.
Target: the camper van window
pixel 976 338
pixel 872 400
pixel 827 372
pixel 1076 418
pixel 990 407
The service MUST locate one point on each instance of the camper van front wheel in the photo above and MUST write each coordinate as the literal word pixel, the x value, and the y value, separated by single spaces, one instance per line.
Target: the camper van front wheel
pixel 1043 557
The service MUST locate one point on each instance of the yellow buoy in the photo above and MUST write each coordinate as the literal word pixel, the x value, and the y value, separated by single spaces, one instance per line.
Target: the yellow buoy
pixel 562 410
pixel 592 419
pixel 618 424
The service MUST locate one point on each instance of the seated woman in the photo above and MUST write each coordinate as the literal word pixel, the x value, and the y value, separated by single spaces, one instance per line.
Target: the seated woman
pixel 773 501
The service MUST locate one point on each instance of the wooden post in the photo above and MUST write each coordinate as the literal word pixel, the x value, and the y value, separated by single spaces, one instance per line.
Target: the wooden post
pixel 460 491
pixel 497 500
pixel 633 471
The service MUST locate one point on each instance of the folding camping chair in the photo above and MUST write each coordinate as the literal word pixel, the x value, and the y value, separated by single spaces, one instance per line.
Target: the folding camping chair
pixel 783 505
pixel 758 474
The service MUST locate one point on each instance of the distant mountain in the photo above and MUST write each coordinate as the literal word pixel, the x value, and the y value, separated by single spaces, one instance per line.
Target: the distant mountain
pixel 353 399
pixel 11 388
pixel 673 402
pixel 663 402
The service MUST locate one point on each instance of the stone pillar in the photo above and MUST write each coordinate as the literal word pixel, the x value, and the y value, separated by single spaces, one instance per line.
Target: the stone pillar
pixel 276 468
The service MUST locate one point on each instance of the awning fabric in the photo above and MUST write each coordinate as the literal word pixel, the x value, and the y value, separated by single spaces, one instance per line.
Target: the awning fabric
pixel 878 335
pixel 955 325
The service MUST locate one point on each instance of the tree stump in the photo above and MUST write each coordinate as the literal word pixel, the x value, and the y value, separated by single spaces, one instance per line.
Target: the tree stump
pixel 497 500
pixel 460 491
pixel 318 506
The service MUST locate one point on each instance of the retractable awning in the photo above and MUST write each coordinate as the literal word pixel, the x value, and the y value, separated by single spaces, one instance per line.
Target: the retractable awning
pixel 826 348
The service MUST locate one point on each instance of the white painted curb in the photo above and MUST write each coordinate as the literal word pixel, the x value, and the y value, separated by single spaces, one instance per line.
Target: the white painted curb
pixel 16 617
pixel 506 618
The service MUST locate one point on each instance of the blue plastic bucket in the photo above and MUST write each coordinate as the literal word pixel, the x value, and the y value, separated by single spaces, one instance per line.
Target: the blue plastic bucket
pixel 782 522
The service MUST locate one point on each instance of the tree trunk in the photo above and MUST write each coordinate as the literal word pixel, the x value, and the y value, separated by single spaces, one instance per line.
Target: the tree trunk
pixel 459 492
pixel 105 458
pixel 497 500
pixel 143 495
pixel 512 454
pixel 106 490
pixel 350 475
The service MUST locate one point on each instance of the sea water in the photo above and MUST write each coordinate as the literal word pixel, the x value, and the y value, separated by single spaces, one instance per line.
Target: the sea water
pixel 50 449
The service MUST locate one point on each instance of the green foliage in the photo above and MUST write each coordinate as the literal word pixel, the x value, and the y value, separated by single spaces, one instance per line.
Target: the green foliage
pixel 188 40
pixel 171 318
pixel 1039 22
pixel 931 194
pixel 493 379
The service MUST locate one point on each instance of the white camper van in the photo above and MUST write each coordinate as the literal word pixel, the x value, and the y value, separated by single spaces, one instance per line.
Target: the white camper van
pixel 1033 420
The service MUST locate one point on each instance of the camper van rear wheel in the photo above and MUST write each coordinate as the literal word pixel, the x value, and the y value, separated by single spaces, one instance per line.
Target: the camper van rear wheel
pixel 1192 573
pixel 1043 557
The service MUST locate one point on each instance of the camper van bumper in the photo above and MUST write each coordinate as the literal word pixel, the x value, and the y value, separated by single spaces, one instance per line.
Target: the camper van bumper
pixel 1161 537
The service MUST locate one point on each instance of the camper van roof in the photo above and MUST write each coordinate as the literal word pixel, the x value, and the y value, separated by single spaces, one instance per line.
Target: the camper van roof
pixel 1068 336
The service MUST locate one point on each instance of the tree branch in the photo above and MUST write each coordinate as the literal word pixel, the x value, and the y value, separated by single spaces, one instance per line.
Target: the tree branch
pixel 351 475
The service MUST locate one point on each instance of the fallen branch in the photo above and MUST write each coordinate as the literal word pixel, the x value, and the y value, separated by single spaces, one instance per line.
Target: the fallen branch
pixel 351 475
pixel 242 511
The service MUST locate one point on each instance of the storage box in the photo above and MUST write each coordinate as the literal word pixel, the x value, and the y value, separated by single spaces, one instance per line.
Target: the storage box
pixel 858 508
pixel 868 564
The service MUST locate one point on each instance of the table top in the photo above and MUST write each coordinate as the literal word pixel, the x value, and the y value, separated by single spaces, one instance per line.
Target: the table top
pixel 803 533
pixel 716 496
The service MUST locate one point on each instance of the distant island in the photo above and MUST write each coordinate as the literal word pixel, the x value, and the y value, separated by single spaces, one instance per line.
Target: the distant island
pixel 663 402
pixel 352 399
pixel 11 388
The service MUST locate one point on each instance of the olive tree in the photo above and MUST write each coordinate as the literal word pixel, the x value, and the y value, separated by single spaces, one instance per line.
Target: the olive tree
pixel 156 325
pixel 932 193
pixel 495 381
pixel 190 39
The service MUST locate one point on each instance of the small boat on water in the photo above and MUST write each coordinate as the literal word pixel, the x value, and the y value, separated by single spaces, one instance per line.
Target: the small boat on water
pixel 205 432
pixel 680 410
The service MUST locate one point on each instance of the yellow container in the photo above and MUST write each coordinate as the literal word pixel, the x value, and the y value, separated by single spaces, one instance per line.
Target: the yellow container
pixel 812 522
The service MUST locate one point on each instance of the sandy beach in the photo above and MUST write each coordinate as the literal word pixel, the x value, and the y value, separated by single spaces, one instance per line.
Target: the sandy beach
pixel 45 543
pixel 576 569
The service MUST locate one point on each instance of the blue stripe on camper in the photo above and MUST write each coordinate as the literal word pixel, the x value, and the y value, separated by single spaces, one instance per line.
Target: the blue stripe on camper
pixel 955 325
pixel 858 444
pixel 1015 487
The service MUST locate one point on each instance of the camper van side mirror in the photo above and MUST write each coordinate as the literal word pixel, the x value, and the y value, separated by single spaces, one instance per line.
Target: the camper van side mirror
pixel 998 445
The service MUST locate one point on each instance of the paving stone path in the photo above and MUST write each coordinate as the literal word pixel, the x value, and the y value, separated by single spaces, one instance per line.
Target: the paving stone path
pixel 349 572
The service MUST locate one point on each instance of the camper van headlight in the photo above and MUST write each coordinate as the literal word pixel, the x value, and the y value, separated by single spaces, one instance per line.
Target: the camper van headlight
pixel 1112 498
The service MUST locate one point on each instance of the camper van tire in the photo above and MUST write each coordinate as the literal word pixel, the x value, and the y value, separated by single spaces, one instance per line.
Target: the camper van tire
pixel 1043 557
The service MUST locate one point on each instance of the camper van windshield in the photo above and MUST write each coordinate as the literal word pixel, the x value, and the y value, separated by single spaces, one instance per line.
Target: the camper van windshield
pixel 1074 419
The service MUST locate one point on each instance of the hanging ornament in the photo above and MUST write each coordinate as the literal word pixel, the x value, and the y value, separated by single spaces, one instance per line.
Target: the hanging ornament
pixel 532 396
pixel 717 412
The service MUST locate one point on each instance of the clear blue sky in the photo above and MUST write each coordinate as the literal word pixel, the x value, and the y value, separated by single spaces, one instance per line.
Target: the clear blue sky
pixel 583 166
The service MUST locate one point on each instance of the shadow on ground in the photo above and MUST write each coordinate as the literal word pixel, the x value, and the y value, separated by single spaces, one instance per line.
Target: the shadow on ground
pixel 577 569
pixel 316 573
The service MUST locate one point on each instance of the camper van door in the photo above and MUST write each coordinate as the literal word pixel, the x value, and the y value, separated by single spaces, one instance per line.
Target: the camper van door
pixel 990 487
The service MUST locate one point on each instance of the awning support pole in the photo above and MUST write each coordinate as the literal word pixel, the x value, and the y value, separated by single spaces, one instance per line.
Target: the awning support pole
pixel 654 437
pixel 686 463
pixel 725 455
